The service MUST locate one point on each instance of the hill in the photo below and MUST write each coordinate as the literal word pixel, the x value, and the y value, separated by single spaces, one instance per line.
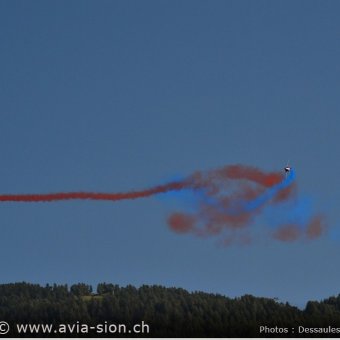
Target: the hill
pixel 158 312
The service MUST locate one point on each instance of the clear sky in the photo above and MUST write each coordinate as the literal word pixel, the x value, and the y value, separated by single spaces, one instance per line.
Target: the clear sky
pixel 120 95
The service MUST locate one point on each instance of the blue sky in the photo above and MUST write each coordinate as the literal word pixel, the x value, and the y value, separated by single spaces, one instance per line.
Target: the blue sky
pixel 120 95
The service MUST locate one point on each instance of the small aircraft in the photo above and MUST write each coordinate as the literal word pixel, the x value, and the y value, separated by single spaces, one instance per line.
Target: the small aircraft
pixel 287 169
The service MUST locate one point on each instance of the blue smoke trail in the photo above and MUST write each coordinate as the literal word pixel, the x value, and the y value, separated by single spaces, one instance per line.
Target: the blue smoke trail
pixel 297 211
pixel 270 193
pixel 240 207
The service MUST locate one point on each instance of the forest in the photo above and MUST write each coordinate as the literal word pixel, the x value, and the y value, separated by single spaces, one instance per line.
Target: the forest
pixel 167 312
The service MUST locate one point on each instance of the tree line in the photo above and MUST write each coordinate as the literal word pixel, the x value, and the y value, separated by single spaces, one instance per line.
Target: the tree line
pixel 170 312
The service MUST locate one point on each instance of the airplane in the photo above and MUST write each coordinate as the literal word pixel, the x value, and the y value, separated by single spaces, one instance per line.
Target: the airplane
pixel 287 169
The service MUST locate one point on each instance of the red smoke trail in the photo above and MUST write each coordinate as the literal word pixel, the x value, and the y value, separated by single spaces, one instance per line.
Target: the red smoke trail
pixel 292 232
pixel 288 233
pixel 316 227
pixel 199 180
pixel 62 196
pixel 248 173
